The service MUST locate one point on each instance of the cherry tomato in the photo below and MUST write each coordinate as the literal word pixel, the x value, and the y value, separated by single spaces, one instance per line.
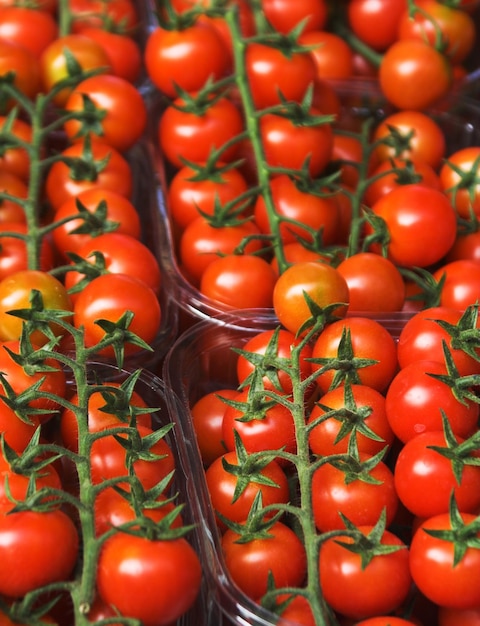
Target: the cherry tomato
pixel 414 75
pixel 15 159
pixel 462 280
pixel 154 581
pixel 458 617
pixel 187 57
pixel 239 281
pixel 11 210
pixel 124 113
pixel 30 28
pixel 284 15
pixel 375 23
pixel 119 14
pixel 13 250
pixel 411 214
pixel 425 478
pixel 296 252
pixel 15 293
pixel 415 400
pixel 324 285
pixel 109 297
pixel 51 537
pixel 369 340
pixel 280 555
pixel 332 55
pixel 14 57
pixel 459 180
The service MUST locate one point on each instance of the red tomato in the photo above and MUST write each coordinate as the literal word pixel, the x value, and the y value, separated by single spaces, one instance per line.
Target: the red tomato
pixel 49 536
pixel 232 496
pixel 109 297
pixel 323 284
pixel 257 354
pixel 53 63
pixel 431 20
pixel 466 247
pixel 123 52
pixel 284 15
pixel 462 283
pixel 108 458
pixel 436 569
pixel 14 253
pixel 123 254
pixel 410 135
pixel 271 71
pixel 414 75
pixel 15 293
pixel 332 55
pixel 187 198
pixel 369 340
pixel 423 335
pixel 387 620
pixel 296 252
pixel 459 179
pixel 375 23
pixel 17 433
pixel 193 135
pixel 102 167
pixel 294 608
pixel 280 555
pixel 187 57
pixel 30 28
pixel 425 478
pixel 411 214
pixel 360 494
pixel 107 210
pixel 458 617
pixel 18 59
pixel 15 159
pixel 261 425
pixel 239 281
pixel 415 400
pixel 11 209
pixel 101 414
pixel 356 411
pixel 300 212
pixel 121 110
pixel 203 241
pixel 375 284
pixel 359 591
pixel 119 14
pixel 154 581
pixel 288 143
pixel 347 157
pixel 207 417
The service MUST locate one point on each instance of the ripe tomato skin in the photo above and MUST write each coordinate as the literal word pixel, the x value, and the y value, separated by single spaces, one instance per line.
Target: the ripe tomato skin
pixel 332 55
pixel 292 203
pixel 280 555
pixel 53 65
pixel 120 14
pixel 458 617
pixel 16 160
pixel 460 167
pixel 153 581
pixel 240 281
pixel 186 198
pixel 295 252
pixel 192 136
pixel 466 247
pixel 433 569
pixel 270 71
pixel 388 620
pixel 221 486
pixel 358 592
pixel 360 501
pixel 260 344
pixel 30 28
pixel 369 340
pixel 414 75
pixel 421 138
pixel 16 432
pixel 411 213
pixel 422 336
pixel 19 59
pixel 414 401
pixel 119 209
pixel 37 548
pixel 108 297
pixel 375 284
pixel 323 283
pixel 323 436
pixel 375 23
pixel 15 292
pixel 425 481
pixel 462 282
pixel 13 250
pixel 202 242
pixel 115 175
pixel 287 144
pixel 284 15
pixel 11 210
pixel 207 417
pixel 125 112
pixel 188 57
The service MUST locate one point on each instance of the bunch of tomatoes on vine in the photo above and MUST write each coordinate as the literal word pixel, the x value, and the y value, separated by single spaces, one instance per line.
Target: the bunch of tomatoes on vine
pixel 93 525
pixel 338 205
